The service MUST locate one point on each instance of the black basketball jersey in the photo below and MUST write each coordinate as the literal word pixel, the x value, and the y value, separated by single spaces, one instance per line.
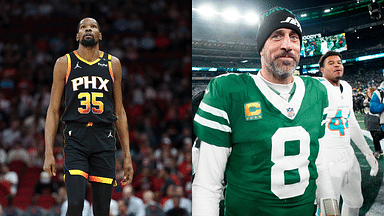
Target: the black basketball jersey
pixel 89 90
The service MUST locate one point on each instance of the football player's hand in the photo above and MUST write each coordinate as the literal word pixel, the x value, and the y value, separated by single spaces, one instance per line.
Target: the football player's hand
pixel 373 163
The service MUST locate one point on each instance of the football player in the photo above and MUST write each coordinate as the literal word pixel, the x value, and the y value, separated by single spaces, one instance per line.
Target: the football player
pixel 261 132
pixel 341 126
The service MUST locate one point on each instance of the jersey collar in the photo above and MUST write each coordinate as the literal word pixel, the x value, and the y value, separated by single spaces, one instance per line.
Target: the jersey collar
pixel 85 61
pixel 278 102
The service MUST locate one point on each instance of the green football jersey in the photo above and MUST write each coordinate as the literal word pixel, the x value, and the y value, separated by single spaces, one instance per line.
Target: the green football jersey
pixel 274 142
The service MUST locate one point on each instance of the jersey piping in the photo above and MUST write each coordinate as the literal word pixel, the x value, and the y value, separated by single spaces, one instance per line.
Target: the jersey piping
pixel 90 63
pixel 69 68
pixel 110 67
pixel 85 61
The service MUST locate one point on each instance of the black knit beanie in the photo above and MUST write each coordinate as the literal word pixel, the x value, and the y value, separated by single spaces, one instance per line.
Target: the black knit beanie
pixel 274 19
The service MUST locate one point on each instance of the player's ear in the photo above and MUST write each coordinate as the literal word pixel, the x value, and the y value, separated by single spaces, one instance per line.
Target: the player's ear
pixel 322 70
pixel 77 37
pixel 100 36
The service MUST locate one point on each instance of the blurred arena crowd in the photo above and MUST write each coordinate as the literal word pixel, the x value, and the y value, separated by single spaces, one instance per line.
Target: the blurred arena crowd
pixel 152 39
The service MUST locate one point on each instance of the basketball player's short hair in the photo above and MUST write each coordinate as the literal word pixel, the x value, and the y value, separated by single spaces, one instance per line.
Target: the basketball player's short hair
pixel 78 26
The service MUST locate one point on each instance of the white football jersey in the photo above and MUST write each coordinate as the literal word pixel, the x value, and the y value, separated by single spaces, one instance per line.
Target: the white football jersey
pixel 339 115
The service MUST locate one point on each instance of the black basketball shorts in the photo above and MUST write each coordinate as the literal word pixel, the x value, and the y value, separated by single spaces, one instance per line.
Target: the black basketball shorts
pixel 90 151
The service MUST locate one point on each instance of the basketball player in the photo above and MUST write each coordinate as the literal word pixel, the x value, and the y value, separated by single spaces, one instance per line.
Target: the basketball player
pixel 91 82
pixel 341 127
pixel 261 132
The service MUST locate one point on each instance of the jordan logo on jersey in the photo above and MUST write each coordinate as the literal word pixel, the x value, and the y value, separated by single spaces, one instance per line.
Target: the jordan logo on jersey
pixel 110 134
pixel 95 83
pixel 77 66
pixel 252 111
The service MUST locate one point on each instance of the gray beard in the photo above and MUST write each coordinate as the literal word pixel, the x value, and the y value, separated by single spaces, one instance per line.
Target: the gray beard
pixel 281 72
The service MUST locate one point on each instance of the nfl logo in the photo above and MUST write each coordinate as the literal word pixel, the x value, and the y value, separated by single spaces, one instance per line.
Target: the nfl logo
pixel 291 112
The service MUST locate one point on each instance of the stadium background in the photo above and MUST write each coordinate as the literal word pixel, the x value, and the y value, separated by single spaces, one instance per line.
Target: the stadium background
pixel 152 39
pixel 220 46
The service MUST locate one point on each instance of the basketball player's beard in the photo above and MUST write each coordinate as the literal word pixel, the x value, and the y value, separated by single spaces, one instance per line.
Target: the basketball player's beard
pixel 88 43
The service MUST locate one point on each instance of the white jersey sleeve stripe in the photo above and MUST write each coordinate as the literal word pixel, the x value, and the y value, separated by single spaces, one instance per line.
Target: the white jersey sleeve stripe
pixel 325 113
pixel 323 122
pixel 214 111
pixel 212 124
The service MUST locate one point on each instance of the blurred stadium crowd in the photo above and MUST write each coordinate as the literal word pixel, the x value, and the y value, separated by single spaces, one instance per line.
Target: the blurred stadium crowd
pixel 152 39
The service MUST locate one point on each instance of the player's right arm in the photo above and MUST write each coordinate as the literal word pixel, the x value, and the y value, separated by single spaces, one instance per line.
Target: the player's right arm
pixel 207 185
pixel 53 115
pixel 212 127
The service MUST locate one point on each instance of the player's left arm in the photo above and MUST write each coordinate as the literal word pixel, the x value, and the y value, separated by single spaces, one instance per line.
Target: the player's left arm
pixel 121 122
pixel 358 138
pixel 357 135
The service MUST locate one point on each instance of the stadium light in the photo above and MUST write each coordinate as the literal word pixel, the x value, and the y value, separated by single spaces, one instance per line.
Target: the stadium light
pixel 251 18
pixel 206 11
pixel 303 15
pixel 231 15
pixel 327 10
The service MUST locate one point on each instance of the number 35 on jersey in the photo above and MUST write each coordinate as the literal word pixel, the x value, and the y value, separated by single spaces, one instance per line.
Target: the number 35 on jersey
pixel 90 100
